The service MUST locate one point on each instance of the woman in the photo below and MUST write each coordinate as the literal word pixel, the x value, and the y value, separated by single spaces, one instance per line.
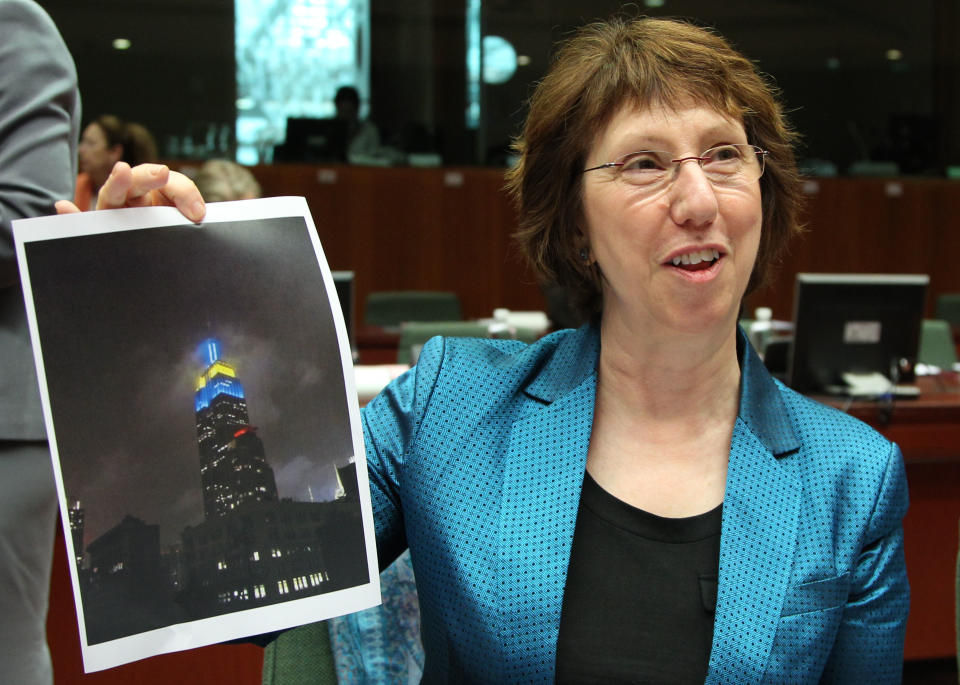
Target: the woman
pixel 105 141
pixel 638 500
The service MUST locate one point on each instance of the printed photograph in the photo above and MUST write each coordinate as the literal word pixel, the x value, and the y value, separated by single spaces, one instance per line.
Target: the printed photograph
pixel 198 400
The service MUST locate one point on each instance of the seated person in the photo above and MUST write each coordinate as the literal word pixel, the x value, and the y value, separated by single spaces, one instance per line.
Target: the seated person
pixel 363 138
pixel 105 141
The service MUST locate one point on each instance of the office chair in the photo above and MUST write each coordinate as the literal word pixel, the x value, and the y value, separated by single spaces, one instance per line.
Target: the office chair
pixel 391 308
pixel 413 334
pixel 948 309
pixel 301 655
pixel 936 345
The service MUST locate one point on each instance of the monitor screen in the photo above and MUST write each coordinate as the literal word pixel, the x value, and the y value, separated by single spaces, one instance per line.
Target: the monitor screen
pixel 854 324
pixel 313 140
pixel 343 282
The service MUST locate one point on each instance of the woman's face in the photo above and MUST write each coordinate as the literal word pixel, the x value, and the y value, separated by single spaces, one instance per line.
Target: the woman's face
pixel 97 156
pixel 635 233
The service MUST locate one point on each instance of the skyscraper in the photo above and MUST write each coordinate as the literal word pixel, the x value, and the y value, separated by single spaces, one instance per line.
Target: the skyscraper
pixel 233 465
pixel 252 548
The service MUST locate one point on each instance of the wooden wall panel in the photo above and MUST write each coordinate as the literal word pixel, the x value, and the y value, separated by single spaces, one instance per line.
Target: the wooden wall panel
pixel 415 229
pixel 873 226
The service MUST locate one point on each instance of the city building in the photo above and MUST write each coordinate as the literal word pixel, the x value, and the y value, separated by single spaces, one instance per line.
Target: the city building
pixel 233 466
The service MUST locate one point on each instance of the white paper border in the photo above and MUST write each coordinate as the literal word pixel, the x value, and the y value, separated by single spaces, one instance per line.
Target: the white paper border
pixel 247 622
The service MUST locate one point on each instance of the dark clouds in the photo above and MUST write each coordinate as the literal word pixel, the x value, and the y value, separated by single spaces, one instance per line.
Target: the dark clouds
pixel 120 318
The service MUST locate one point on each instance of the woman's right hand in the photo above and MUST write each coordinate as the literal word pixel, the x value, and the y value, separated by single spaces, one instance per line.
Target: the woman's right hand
pixel 146 185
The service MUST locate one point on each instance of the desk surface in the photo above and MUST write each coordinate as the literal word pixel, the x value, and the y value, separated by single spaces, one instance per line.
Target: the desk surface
pixel 927 427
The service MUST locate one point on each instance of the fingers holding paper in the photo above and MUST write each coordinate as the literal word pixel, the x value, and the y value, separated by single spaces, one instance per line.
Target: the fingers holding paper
pixel 146 185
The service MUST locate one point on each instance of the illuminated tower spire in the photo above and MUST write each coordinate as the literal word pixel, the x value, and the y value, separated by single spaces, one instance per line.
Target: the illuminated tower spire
pixel 233 466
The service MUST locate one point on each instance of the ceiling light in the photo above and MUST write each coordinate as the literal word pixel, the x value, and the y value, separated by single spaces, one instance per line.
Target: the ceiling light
pixel 121 43
pixel 894 55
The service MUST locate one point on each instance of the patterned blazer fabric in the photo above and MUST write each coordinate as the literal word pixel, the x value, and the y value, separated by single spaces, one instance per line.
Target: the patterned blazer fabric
pixel 476 460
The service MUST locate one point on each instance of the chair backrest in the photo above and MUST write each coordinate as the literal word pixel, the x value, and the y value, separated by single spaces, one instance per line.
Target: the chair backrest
pixel 392 308
pixel 948 309
pixel 936 344
pixel 301 655
pixel 413 334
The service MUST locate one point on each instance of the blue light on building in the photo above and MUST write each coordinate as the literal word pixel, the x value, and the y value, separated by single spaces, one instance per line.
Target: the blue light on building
pixel 209 351
pixel 218 378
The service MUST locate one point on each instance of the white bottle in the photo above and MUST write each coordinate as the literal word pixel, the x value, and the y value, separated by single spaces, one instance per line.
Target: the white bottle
pixel 499 327
pixel 761 329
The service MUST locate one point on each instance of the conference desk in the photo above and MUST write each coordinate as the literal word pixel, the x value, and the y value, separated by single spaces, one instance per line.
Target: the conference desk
pixel 377 345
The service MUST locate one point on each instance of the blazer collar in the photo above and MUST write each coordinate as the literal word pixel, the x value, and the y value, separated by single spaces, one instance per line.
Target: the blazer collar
pixel 761 406
pixel 574 359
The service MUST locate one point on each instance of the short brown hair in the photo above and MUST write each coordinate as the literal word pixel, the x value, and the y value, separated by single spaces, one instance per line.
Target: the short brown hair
pixel 607 65
pixel 135 140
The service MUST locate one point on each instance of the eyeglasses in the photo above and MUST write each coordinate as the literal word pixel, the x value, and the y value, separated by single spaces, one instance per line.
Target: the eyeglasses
pixel 730 165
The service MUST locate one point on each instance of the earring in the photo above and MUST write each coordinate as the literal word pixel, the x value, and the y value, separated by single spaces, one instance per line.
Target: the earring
pixel 584 254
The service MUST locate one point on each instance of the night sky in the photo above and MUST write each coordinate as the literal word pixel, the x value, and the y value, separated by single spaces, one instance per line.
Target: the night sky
pixel 121 316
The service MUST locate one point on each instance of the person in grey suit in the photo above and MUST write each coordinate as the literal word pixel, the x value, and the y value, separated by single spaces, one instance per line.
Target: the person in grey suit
pixel 39 127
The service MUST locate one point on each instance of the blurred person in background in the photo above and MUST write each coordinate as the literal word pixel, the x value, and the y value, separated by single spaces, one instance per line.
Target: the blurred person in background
pixel 220 180
pixel 105 141
pixel 363 137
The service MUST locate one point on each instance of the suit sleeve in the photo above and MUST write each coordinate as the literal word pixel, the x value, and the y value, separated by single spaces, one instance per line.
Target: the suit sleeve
pixel 39 121
pixel 869 644
pixel 390 425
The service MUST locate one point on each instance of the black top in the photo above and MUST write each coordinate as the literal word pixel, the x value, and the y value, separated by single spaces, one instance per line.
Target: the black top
pixel 640 595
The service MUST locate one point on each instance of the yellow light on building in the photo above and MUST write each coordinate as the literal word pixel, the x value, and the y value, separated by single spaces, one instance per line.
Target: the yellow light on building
pixel 219 368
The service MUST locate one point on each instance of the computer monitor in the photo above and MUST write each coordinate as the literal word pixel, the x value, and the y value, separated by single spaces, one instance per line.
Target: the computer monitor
pixel 313 140
pixel 854 324
pixel 343 281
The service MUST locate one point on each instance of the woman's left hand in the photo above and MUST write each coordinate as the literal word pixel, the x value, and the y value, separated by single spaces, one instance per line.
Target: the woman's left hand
pixel 146 185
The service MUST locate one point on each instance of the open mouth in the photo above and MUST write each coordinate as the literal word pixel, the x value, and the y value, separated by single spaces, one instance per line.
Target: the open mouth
pixel 698 260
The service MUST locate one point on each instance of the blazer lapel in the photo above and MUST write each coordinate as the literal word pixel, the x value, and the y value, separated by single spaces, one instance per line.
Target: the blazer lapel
pixel 543 475
pixel 760 514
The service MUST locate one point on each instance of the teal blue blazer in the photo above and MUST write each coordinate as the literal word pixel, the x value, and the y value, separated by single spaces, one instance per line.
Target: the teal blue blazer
pixel 476 459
